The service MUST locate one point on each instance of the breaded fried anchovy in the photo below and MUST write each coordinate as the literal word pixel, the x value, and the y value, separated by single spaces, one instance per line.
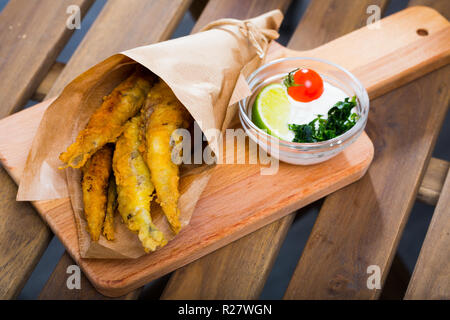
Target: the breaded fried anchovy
pixel 134 186
pixel 111 206
pixel 106 124
pixel 168 115
pixel 96 174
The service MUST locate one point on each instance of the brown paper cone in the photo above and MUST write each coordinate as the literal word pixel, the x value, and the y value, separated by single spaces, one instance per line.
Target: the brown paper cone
pixel 202 70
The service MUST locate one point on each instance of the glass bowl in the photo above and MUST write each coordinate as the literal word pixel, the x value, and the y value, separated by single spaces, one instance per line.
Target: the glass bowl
pixel 304 153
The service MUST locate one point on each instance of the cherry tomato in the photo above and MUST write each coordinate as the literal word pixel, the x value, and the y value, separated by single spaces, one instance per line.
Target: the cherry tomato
pixel 304 85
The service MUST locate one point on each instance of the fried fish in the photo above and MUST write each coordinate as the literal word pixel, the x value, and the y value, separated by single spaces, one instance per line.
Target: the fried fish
pixel 111 206
pixel 134 186
pixel 106 124
pixel 96 174
pixel 167 115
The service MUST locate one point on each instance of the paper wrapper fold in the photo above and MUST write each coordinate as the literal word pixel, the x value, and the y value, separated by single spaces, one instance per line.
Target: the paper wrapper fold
pixel 205 71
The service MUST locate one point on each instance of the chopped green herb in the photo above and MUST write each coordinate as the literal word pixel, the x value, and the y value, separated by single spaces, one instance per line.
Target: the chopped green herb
pixel 340 119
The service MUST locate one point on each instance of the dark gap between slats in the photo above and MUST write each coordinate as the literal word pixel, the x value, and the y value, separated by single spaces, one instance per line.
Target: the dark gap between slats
pixel 292 18
pixel 186 24
pixel 43 270
pixel 395 6
pixel 154 289
pixel 3 4
pixel 442 149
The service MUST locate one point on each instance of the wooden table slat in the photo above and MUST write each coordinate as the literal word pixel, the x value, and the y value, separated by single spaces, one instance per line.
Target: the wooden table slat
pixel 240 269
pixel 25 57
pixel 217 9
pixel 120 25
pixel 433 181
pixel 431 276
pixel 32 35
pixel 361 225
pixel 56 287
pixel 23 239
pixel 442 6
pixel 326 20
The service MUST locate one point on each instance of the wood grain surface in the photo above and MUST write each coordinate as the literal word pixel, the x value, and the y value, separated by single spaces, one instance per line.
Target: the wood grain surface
pixel 26 57
pixel 33 32
pixel 56 287
pixel 372 212
pixel 326 20
pixel 218 218
pixel 118 27
pixel 240 269
pixel 20 251
pixel 442 6
pixel 123 30
pixel 47 83
pixel 433 181
pixel 217 9
pixel 431 276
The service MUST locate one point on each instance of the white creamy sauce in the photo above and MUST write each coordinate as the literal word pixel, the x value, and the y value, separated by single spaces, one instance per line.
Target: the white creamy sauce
pixel 305 112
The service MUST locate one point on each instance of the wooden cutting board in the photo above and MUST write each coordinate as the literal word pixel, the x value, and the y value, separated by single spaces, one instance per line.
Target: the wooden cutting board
pixel 238 199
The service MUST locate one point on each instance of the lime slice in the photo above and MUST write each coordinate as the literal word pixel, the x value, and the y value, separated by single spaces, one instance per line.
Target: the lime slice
pixel 271 111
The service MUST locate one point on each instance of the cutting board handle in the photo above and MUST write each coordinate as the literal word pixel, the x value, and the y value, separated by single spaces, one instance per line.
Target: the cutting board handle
pixel 407 45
